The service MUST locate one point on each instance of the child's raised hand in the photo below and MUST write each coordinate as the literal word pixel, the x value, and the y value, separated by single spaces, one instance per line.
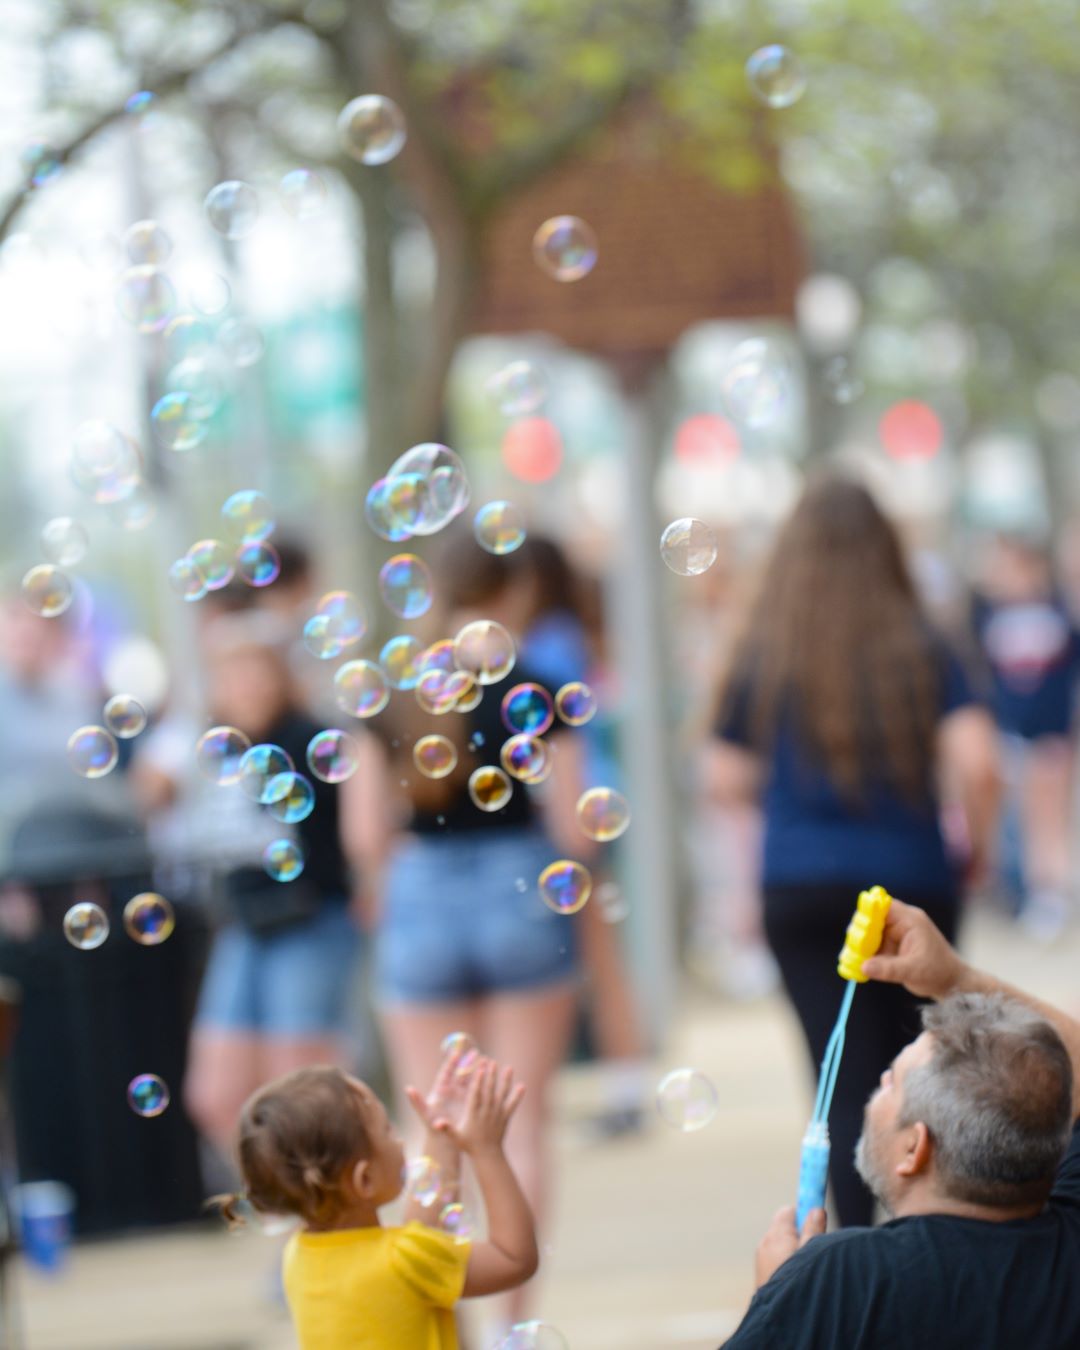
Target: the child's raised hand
pixel 447 1092
pixel 491 1100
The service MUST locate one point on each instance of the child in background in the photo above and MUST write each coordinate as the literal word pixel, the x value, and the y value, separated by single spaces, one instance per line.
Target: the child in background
pixel 320 1145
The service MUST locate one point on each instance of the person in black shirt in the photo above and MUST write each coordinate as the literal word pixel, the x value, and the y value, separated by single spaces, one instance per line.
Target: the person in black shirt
pixel 971 1145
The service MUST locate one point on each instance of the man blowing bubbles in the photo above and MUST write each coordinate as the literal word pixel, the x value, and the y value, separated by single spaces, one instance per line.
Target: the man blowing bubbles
pixel 970 1147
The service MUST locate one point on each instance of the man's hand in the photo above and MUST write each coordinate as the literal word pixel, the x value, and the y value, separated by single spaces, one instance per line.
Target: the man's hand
pixel 915 954
pixel 782 1241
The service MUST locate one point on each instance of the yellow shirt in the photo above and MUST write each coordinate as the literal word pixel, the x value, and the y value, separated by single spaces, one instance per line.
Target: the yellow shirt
pixel 375 1288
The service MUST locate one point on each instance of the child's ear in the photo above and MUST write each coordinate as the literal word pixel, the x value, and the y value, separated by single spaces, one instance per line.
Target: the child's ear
pixel 363 1183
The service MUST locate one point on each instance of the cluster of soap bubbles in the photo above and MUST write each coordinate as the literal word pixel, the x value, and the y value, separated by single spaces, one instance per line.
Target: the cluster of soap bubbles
pixel 422 492
pixel 210 564
pixel 107 466
pixel 47 589
pixel 148 920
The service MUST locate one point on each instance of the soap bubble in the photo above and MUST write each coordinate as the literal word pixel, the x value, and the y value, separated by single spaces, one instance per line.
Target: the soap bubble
pixel 776 76
pixel 575 703
pixel 261 767
pixel 490 788
pixel 196 377
pixel 431 692
pixel 332 756
pixel 842 384
pixel 518 389
pixel 533 1335
pixel 603 814
pixel 258 564
pixel 291 798
pixel 125 716
pixel 360 689
pixel 456 1220
pixel 147 1095
pixel 105 464
pixel 175 424
pixel 147 242
pixel 686 1100
pixel 149 919
pixel 136 511
pixel 462 690
pixel 186 580
pixel 565 248
pixel 460 1043
pixel 86 926
pixel 232 209
pixel 398 660
pixel 214 563
pixel 248 517
pixel 406 586
pixel 93 751
pixel 613 905
pixel 527 707
pixel 427 488
pixel 146 298
pixel 303 194
pixel 422 1179
pixel 241 342
pixel 486 650
pixel 688 547
pixel 439 656
pixel 188 336
pixel 41 163
pixel 371 129
pixel 565 886
pixel 526 758
pixel 337 624
pixel 64 541
pixel 499 527
pixel 435 756
pixel 47 590
pixel 381 513
pixel 755 383
pixel 139 103
pixel 219 752
pixel 209 292
pixel 283 860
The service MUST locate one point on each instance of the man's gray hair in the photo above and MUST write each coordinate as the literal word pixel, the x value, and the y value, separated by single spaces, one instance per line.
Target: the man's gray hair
pixel 996 1096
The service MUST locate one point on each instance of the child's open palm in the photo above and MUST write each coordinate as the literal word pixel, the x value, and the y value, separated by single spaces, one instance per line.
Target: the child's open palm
pixel 491 1100
pixel 446 1098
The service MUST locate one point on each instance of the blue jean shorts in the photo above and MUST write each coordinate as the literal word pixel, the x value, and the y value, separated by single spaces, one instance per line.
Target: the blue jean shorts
pixel 462 918
pixel 291 983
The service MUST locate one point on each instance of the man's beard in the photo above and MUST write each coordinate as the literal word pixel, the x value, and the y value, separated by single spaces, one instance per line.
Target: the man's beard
pixel 869 1168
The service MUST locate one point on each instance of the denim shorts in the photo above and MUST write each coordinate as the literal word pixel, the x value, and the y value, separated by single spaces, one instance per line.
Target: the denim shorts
pixel 292 983
pixel 462 918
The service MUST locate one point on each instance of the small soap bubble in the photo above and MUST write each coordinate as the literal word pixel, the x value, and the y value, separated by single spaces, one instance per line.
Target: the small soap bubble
pixel 431 695
pixel 213 561
pixel 456 1220
pixel 398 659
pixel 371 129
pixel 422 1179
pixel 292 798
pixel 841 382
pixel 136 511
pixel 575 703
pixel 518 389
pixel 219 752
pixel 603 814
pixel 490 788
pixel 147 242
pixel 258 564
pixel 435 756
pixel 337 624
pixel 232 209
pixel 613 904
pixel 565 248
pixel 196 377
pixel 146 298
pixel 360 688
pixel 248 517
pixel 148 1095
pixel 526 758
pixel 125 716
pixel 521 885
pixel 41 163
pixel 405 585
pixel 688 547
pixel 529 708
pixel 92 751
pixel 64 541
pixel 186 580
pixel 86 926
pixel 565 886
pixel 209 292
pixel 333 756
pixel 686 1100
pixel 533 1335
pixel 241 342
pixel 755 383
pixel 283 860
pixel 149 919
pixel 486 650
pixel 261 772
pixel 174 423
pixel 380 512
pixel 140 103
pixel 188 336
pixel 499 527
pixel 47 590
pixel 439 656
pixel 303 194
pixel 776 76
pixel 105 464
pixel 461 1044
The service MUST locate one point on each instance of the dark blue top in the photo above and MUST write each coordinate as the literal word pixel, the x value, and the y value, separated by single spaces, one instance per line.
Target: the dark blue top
pixel 814 834
pixel 1033 653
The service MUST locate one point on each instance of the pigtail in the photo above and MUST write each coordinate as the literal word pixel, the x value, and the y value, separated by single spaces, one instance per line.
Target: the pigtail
pixel 231 1208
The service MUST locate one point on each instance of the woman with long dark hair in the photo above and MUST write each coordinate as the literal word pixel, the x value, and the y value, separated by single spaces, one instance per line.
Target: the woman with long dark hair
pixel 845 716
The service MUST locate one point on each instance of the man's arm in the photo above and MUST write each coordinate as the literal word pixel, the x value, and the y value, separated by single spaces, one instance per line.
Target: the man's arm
pixel 915 954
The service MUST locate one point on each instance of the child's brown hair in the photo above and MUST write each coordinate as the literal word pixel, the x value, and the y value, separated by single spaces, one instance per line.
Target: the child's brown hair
pixel 298 1137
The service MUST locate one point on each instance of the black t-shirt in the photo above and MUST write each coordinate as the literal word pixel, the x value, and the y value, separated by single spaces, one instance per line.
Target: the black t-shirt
pixel 931 1282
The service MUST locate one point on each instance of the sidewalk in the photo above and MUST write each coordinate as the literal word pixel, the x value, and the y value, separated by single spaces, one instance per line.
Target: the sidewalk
pixel 652 1238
